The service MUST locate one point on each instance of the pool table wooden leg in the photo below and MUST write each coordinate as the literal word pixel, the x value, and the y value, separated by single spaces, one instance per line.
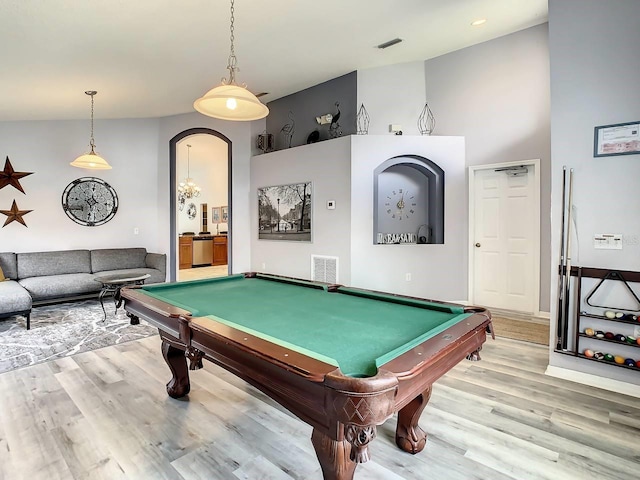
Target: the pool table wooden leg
pixel 409 436
pixel 179 385
pixel 334 456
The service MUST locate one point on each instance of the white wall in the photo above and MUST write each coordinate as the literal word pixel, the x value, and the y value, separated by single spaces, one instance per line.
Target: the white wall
pixel 326 164
pixel 47 148
pixel 595 68
pixel 394 94
pixel 496 95
pixel 438 271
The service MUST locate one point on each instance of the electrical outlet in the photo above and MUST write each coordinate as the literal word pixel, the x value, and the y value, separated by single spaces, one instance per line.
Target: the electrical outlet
pixel 264 266
pixel 136 231
pixel 407 277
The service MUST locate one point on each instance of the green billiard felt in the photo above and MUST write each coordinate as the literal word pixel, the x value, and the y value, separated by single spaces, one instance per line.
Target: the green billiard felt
pixel 358 330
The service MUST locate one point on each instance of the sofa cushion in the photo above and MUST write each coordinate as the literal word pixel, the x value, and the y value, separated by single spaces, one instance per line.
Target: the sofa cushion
pixel 54 286
pixel 53 263
pixel 9 265
pixel 117 259
pixel 2 277
pixel 14 298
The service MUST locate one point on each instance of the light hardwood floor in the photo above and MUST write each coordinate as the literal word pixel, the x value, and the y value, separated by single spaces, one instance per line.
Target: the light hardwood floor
pixel 105 415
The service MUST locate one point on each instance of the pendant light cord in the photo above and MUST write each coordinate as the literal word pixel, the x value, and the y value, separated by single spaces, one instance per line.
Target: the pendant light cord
pixel 92 142
pixel 233 62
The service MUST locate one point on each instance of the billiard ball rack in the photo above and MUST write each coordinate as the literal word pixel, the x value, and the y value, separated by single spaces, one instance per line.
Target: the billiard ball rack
pixel 604 275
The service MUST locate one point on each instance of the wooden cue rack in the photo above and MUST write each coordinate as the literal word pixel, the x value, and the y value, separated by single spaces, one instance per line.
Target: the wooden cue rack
pixel 625 276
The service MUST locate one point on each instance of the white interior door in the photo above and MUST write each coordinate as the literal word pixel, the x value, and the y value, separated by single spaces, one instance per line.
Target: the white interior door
pixel 505 238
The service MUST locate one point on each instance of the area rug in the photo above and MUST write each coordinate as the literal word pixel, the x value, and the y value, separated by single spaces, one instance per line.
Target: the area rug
pixel 524 330
pixel 62 330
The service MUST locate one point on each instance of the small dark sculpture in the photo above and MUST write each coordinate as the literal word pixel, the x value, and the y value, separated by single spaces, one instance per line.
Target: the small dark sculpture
pixel 334 128
pixel 313 137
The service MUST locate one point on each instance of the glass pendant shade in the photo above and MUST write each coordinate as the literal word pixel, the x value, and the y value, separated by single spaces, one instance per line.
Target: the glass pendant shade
pixel 92 161
pixel 231 102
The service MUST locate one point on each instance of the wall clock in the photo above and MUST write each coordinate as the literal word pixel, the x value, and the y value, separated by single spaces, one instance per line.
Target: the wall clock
pixel 400 203
pixel 90 201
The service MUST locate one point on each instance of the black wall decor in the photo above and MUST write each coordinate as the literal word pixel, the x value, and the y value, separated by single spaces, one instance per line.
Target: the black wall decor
pixel 90 201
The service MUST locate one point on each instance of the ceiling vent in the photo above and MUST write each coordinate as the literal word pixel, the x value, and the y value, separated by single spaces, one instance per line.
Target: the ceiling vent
pixel 390 43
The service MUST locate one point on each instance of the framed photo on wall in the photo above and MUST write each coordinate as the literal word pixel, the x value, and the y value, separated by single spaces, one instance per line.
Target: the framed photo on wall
pixel 215 215
pixel 284 212
pixel 224 212
pixel 618 139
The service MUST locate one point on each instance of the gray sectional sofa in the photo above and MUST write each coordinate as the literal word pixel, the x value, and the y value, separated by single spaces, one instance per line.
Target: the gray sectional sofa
pixel 39 278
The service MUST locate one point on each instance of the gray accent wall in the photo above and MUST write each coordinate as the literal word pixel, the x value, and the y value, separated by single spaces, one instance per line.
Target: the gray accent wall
pixel 496 95
pixel 310 103
pixel 595 67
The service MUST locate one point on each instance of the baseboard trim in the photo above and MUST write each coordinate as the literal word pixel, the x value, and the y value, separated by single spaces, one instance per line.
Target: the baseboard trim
pixel 594 381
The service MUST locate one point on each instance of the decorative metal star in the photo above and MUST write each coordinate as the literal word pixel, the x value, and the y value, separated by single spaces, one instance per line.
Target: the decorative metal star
pixel 14 214
pixel 10 177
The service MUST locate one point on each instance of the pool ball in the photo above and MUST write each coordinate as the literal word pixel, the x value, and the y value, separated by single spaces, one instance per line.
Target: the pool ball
pixel 619 315
pixel 589 332
pixel 609 336
pixel 629 362
pixel 600 356
pixel 631 339
pixel 610 314
pixel 618 359
pixel 588 353
pixel 621 338
pixel 608 357
pixel 599 334
pixel 638 340
pixel 638 363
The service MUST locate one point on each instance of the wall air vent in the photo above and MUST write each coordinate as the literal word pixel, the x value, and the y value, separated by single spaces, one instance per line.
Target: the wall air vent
pixel 324 269
pixel 390 43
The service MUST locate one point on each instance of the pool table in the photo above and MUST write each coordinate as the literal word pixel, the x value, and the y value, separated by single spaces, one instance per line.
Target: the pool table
pixel 342 359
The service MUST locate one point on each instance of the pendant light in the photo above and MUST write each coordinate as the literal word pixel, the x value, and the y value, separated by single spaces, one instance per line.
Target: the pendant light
pixel 91 160
pixel 231 101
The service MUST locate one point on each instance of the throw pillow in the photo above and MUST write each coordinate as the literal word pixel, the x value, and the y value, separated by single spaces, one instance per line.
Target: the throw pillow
pixel 2 279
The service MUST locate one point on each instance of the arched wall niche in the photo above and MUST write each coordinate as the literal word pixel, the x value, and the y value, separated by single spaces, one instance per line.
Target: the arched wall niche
pixel 173 185
pixel 408 196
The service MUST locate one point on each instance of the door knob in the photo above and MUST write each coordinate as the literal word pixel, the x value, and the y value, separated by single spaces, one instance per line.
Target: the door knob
pixel 477 245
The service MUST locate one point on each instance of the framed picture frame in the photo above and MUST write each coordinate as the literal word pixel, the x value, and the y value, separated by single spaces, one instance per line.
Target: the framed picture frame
pixel 215 215
pixel 285 213
pixel 224 214
pixel 617 139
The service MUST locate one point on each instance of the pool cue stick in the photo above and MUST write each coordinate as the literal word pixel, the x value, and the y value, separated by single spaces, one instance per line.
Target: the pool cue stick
pixel 567 294
pixel 559 326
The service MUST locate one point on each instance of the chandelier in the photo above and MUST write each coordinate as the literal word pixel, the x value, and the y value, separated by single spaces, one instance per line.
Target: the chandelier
pixel 188 188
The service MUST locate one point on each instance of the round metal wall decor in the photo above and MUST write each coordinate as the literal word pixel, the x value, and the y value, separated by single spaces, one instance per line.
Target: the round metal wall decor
pixel 90 201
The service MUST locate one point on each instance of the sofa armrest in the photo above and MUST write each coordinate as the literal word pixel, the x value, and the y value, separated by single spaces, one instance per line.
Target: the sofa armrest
pixel 157 261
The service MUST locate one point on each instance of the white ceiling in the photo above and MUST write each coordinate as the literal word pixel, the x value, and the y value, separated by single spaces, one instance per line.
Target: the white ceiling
pixel 153 58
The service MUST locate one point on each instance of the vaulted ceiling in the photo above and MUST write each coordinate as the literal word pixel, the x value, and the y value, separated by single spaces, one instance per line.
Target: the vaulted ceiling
pixel 153 58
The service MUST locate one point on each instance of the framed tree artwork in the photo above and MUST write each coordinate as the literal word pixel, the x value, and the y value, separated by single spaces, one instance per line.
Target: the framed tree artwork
pixel 284 212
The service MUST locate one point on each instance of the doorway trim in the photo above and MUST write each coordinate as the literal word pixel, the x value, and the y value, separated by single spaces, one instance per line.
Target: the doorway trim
pixel 536 234
pixel 173 200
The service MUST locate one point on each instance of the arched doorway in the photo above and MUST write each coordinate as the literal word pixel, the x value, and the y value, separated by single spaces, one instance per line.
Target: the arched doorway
pixel 176 155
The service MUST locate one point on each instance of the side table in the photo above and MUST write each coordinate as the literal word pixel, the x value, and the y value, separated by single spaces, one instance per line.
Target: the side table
pixel 111 285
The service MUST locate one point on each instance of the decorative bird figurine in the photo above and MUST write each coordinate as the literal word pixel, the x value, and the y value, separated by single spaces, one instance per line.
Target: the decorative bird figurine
pixel 334 128
pixel 288 130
